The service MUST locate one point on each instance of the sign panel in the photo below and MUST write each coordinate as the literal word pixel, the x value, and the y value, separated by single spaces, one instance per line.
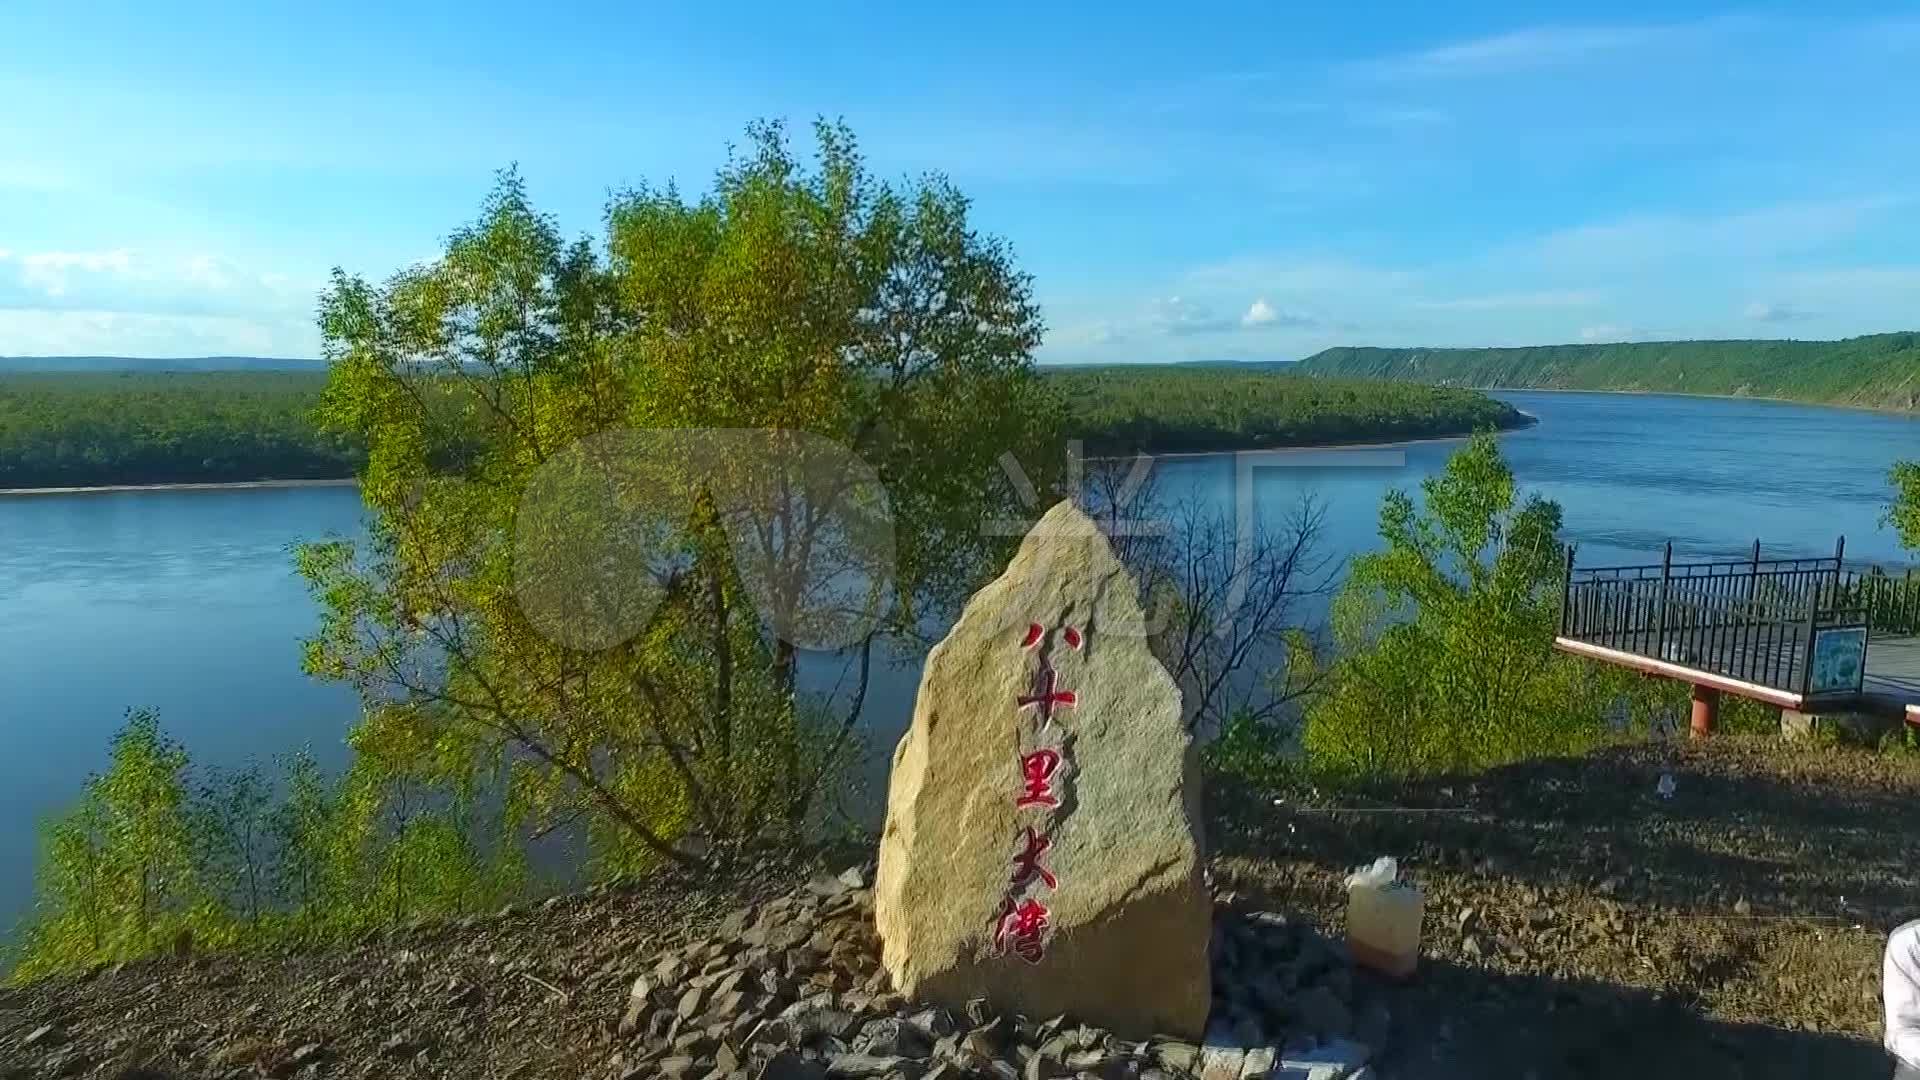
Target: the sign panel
pixel 1839 660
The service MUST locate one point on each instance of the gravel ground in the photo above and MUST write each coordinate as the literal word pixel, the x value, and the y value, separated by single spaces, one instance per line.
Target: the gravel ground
pixel 1578 925
pixel 532 992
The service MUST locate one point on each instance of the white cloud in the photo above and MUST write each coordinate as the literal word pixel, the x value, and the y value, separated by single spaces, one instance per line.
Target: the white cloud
pixel 51 271
pixel 124 302
pixel 1762 312
pixel 1262 314
pixel 1553 298
pixel 1082 334
pixel 1180 317
pixel 71 332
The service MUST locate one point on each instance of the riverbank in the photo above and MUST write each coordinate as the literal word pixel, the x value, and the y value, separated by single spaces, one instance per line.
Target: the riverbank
pixel 1525 420
pixel 1878 410
pixel 227 485
pixel 1875 371
pixel 73 432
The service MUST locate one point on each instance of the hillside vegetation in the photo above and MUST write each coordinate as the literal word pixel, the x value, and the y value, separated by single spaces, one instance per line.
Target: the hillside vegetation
pixel 1175 409
pixel 1879 371
pixel 87 428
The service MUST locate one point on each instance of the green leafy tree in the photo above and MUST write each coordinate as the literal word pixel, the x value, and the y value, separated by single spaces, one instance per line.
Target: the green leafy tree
pixel 1445 637
pixel 118 873
pixel 233 841
pixel 1904 514
pixel 656 694
pixel 304 832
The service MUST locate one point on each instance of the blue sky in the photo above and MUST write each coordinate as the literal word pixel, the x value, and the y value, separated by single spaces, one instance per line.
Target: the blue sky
pixel 1255 181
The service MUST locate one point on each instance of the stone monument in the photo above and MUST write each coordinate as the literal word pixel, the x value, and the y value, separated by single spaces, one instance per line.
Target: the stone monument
pixel 1043 842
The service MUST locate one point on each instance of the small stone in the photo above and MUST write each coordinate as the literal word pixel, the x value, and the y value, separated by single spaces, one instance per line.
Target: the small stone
pixel 45 1033
pixel 307 1052
pixel 827 887
pixel 894 1038
pixel 676 1068
pixel 1335 1060
pixel 1178 1056
pixel 853 877
pixel 1043 1066
pixel 857 1066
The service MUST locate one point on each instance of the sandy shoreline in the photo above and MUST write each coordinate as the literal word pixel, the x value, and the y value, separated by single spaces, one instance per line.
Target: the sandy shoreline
pixel 229 485
pixel 1884 410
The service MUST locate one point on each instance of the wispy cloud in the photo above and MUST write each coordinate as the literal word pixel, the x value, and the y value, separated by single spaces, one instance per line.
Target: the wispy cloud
pixel 1517 50
pixel 1608 332
pixel 70 332
pixel 1551 298
pixel 1640 240
pixel 1179 317
pixel 1774 313
pixel 50 271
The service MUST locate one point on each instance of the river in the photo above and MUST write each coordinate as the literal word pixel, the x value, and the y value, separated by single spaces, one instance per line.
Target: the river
pixel 186 602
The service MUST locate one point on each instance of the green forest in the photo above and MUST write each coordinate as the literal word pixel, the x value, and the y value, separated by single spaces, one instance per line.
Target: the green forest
pixel 1879 371
pixel 98 428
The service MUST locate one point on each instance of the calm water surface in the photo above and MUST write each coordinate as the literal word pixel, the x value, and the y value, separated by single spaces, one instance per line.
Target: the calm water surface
pixel 186 602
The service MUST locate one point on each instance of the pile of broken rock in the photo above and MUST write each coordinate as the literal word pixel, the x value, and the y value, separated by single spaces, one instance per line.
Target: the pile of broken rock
pixel 794 990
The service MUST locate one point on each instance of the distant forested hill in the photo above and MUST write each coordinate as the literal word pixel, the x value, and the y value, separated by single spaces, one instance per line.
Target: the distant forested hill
pixel 49 364
pixel 1878 371
pixel 147 426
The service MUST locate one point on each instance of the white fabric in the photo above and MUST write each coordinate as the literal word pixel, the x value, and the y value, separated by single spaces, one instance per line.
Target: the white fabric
pixel 1900 990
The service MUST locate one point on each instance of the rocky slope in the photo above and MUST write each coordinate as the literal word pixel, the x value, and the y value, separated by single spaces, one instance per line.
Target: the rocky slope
pixel 632 984
pixel 1579 924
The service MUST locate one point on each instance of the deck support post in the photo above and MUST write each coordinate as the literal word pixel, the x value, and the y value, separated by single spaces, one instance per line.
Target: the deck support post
pixel 1706 710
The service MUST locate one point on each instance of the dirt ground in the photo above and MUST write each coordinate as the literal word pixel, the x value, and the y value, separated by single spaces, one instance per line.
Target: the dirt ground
pixel 1578 924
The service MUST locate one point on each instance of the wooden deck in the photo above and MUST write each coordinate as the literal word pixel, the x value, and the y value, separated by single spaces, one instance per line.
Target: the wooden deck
pixel 1893 677
pixel 1808 634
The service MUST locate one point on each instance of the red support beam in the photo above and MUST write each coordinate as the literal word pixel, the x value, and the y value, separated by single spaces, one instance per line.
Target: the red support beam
pixel 1706 710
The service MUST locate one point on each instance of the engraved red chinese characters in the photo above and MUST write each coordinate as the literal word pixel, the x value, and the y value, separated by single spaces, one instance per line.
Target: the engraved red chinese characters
pixel 1027 865
pixel 1022 929
pixel 1036 772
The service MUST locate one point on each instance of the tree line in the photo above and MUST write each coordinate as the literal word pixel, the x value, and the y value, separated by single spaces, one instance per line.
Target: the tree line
pixel 85 429
pixel 1874 371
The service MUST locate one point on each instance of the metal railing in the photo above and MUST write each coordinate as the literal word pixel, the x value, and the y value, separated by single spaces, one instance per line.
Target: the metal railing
pixel 1755 620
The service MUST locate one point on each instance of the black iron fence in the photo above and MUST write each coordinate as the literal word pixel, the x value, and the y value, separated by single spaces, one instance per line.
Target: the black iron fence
pixel 1762 621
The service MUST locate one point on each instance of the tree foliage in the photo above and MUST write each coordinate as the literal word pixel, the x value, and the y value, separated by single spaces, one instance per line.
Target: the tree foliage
pixel 1444 638
pixel 1904 514
pixel 159 854
pixel 611 624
